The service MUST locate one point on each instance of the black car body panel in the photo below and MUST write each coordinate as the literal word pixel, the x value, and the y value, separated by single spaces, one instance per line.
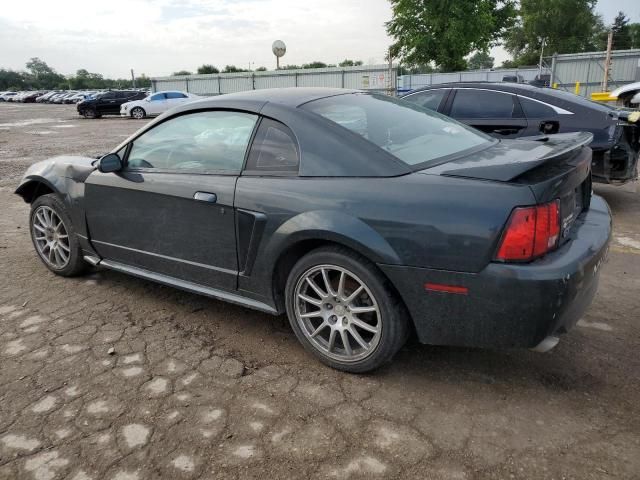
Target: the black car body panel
pixel 532 111
pixel 108 103
pixel 512 305
pixel 439 223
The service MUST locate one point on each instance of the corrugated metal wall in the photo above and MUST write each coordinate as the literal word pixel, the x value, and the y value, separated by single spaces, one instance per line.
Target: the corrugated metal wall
pixel 566 70
pixel 588 69
pixel 369 77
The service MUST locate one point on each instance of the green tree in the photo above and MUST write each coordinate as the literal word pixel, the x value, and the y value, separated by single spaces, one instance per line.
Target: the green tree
pixel 444 32
pixel 315 64
pixel 566 26
pixel 634 35
pixel 233 69
pixel 39 68
pixel 261 69
pixel 41 75
pixel 207 68
pixel 480 60
pixel 290 67
pixel 182 73
pixel 625 35
pixel 350 63
pixel 12 80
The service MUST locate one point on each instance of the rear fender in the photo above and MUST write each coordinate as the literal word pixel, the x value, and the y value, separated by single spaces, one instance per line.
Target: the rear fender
pixel 332 226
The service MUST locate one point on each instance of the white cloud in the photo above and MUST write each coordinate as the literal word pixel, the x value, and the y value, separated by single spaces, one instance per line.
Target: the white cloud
pixel 161 36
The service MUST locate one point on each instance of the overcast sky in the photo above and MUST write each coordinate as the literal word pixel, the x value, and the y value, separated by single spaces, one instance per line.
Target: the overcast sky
pixel 157 37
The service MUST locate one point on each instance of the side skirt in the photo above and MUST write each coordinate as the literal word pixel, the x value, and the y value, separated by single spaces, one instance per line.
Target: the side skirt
pixel 189 286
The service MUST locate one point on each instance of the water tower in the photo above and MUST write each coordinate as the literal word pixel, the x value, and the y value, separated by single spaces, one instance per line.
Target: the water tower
pixel 279 49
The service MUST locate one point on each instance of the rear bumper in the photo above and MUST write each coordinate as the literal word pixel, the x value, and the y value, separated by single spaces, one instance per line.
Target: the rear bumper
pixel 510 305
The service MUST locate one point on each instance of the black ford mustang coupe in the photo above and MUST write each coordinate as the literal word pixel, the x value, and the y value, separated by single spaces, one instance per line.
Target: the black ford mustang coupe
pixel 363 217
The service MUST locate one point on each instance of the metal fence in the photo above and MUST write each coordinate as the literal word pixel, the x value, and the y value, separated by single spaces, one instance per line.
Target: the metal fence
pixel 582 73
pixel 369 77
pixel 588 70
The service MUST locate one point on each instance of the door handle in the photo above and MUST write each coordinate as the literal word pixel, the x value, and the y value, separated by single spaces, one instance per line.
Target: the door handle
pixel 505 131
pixel 205 197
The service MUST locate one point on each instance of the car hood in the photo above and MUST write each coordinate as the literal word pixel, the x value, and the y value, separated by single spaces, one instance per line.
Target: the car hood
pixel 507 159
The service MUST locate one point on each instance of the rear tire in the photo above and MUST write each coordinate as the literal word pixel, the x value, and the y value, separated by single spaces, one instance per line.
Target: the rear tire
pixel 344 311
pixel 138 113
pixel 54 236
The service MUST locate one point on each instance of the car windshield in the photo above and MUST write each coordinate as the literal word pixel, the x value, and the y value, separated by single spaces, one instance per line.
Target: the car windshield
pixel 409 132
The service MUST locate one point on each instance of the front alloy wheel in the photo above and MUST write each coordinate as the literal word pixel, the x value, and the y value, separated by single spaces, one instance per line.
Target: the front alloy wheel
pixel 50 237
pixel 138 113
pixel 54 236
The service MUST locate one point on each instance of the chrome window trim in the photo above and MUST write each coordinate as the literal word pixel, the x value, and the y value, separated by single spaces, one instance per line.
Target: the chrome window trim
pixel 558 110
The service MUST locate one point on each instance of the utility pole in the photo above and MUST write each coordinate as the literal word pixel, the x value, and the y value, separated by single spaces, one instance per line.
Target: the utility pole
pixel 133 79
pixel 540 62
pixel 607 62
pixel 390 89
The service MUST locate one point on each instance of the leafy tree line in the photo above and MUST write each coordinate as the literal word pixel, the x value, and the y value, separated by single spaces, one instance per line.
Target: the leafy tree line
pixel 450 35
pixel 40 76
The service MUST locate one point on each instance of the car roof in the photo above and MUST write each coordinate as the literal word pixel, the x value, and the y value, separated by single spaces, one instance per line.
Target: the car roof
pixel 290 97
pixel 507 86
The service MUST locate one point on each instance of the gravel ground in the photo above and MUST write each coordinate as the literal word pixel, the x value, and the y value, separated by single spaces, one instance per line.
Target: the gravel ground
pixel 197 388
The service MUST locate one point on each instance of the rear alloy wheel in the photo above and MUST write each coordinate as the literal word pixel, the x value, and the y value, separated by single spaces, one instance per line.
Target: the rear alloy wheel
pixel 54 238
pixel 90 113
pixel 138 113
pixel 343 311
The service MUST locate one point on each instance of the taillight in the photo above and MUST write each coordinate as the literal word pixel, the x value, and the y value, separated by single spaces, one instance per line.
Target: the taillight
pixel 530 233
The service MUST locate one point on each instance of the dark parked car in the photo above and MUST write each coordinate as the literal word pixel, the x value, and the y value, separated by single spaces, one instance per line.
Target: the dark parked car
pixel 506 110
pixel 107 103
pixel 362 216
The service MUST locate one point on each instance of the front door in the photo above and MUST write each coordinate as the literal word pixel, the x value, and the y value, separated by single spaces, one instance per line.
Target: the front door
pixel 108 103
pixel 157 104
pixel 170 210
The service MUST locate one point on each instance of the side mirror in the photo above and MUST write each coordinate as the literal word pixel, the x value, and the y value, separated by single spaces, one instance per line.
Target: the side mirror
pixel 110 163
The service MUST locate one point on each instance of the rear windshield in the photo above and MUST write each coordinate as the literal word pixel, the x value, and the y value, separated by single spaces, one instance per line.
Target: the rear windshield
pixel 410 132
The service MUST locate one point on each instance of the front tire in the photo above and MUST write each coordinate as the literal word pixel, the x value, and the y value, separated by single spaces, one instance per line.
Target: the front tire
pixel 54 236
pixel 344 311
pixel 90 113
pixel 138 113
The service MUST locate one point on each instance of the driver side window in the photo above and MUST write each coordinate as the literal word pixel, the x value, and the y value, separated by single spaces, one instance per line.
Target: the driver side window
pixel 203 141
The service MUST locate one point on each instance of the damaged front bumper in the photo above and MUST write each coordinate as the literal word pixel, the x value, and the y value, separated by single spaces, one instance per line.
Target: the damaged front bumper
pixel 618 164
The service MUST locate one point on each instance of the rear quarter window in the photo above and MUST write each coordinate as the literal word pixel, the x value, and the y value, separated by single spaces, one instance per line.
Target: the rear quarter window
pixel 274 150
pixel 533 109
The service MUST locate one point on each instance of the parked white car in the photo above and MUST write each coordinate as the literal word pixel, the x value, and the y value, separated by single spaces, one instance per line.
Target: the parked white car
pixel 155 104
pixel 7 95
